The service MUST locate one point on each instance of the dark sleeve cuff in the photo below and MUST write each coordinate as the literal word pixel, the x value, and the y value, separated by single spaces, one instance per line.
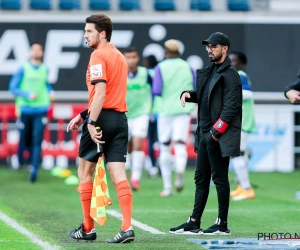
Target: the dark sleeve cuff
pixel 193 95
pixel 84 114
pixel 215 133
pixel 96 81
pixel 295 86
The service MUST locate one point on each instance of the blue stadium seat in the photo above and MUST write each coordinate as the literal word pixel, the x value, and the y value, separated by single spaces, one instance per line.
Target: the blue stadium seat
pixel 99 4
pixel 200 5
pixel 10 4
pixel 164 5
pixel 69 4
pixel 40 4
pixel 129 4
pixel 238 5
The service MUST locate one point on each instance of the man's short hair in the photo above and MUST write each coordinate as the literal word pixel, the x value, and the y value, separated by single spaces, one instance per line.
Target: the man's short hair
pixel 36 43
pixel 102 23
pixel 241 57
pixel 131 49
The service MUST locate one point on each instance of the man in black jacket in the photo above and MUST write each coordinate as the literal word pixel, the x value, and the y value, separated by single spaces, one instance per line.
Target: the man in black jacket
pixel 219 98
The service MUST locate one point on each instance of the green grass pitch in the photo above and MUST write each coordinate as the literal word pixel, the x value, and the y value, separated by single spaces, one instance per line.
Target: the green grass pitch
pixel 49 208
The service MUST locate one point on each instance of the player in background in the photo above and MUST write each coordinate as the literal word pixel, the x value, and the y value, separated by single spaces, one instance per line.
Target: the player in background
pixel 150 62
pixel 33 97
pixel 139 101
pixel 171 77
pixel 106 80
pixel 244 190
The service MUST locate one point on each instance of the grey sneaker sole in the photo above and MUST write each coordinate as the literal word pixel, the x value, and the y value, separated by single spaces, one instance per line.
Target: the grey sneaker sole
pixel 217 233
pixel 182 232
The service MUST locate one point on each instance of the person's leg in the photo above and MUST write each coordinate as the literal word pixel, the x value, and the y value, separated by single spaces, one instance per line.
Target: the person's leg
pixel 164 137
pixel 180 125
pixel 239 163
pixel 137 156
pixel 151 141
pixel 118 177
pixel 139 133
pixel 128 163
pixel 153 172
pixel 86 230
pixel 114 156
pixel 38 126
pixel 219 168
pixel 202 179
pixel 23 126
pixel 85 174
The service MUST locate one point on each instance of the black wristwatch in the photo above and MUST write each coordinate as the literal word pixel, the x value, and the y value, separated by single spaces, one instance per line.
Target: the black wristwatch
pixel 89 121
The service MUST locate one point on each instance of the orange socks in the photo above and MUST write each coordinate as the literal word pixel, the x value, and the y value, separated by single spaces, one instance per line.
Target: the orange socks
pixel 86 190
pixel 125 201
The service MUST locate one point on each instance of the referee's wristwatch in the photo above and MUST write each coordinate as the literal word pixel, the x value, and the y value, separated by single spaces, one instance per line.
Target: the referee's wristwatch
pixel 90 121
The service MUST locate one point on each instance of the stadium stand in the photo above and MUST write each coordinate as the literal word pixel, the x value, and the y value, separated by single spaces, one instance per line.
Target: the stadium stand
pixel 40 4
pixel 129 5
pixel 164 5
pixel 99 4
pixel 69 4
pixel 154 7
pixel 238 5
pixel 10 4
pixel 200 5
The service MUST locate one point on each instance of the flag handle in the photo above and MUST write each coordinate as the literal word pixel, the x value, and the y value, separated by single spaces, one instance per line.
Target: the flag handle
pixel 99 146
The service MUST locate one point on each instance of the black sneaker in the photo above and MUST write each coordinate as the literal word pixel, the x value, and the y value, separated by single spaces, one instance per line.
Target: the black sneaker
pixel 189 227
pixel 219 228
pixel 123 236
pixel 79 234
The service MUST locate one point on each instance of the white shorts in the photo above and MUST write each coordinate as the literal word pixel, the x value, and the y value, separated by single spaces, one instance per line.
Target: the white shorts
pixel 138 126
pixel 244 140
pixel 173 128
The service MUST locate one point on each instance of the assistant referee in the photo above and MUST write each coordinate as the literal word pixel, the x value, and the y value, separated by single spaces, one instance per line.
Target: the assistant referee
pixel 106 79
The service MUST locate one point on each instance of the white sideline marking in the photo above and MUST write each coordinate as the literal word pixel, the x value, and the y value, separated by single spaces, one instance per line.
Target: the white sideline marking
pixel 135 223
pixel 36 240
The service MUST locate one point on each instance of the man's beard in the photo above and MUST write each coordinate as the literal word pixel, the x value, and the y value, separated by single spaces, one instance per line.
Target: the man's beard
pixel 216 58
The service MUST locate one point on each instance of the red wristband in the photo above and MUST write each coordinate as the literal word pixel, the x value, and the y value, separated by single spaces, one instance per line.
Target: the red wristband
pixel 221 126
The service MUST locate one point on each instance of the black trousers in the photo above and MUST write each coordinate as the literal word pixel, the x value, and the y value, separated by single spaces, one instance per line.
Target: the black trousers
pixel 211 164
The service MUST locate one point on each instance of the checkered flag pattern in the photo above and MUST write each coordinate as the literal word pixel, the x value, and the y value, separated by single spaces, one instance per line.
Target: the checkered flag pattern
pixel 100 195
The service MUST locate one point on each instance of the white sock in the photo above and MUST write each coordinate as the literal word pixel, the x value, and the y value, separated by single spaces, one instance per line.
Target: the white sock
pixel 137 165
pixel 128 162
pixel 180 157
pixel 241 171
pixel 165 167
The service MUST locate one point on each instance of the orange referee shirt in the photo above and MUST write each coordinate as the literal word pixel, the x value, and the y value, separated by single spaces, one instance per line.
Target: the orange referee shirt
pixel 107 64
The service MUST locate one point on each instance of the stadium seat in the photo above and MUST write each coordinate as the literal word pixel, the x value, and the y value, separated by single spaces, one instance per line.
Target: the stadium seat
pixel 10 4
pixel 40 4
pixel 99 4
pixel 200 5
pixel 238 5
pixel 129 4
pixel 164 5
pixel 69 4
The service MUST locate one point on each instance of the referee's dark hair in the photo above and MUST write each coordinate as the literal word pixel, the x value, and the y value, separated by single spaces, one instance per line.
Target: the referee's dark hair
pixel 241 57
pixel 102 23
pixel 131 49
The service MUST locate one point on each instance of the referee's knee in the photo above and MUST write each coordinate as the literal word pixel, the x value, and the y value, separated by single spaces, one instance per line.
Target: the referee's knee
pixel 85 171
